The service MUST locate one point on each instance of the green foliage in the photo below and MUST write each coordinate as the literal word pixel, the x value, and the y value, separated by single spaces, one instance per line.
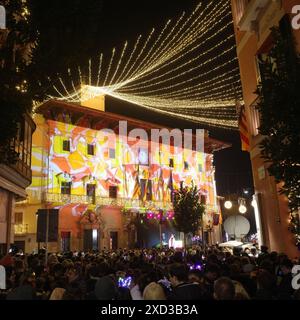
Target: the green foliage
pixel 188 210
pixel 279 106
pixel 295 227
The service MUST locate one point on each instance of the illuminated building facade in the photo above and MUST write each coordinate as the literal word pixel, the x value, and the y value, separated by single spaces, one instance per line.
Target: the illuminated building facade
pixel 101 185
pixel 253 20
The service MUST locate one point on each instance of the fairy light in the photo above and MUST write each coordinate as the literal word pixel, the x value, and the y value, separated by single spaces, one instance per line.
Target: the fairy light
pixel 109 66
pixel 119 63
pixel 179 43
pixel 90 72
pixel 169 52
pixel 180 31
pixel 212 85
pixel 99 69
pixel 141 53
pixel 146 58
pixel 121 78
pixel 80 76
pixel 156 74
pixel 188 62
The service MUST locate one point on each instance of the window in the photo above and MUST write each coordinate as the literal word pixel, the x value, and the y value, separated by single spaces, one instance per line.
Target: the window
pixel 143 157
pixel 186 165
pixel 112 153
pixel 91 149
pixel 91 192
pixel 66 145
pixel 66 188
pixel 203 199
pixel 149 196
pixel 113 192
pixel 146 190
pixel 171 163
pixel 254 120
pixel 19 218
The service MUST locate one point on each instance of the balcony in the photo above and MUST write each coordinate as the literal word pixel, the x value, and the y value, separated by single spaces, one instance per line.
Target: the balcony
pixel 248 12
pixel 21 229
pixel 62 199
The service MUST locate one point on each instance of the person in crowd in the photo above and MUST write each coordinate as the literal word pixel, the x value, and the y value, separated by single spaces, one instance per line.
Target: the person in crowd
pixel 266 286
pixel 26 289
pixel 194 274
pixel 285 290
pixel 224 289
pixel 154 291
pixel 182 289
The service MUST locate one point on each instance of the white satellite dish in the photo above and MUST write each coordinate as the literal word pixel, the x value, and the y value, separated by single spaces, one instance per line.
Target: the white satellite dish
pixel 237 226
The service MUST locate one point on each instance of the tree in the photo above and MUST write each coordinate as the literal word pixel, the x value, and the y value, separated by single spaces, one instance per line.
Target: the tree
pixel 188 210
pixel 15 99
pixel 279 106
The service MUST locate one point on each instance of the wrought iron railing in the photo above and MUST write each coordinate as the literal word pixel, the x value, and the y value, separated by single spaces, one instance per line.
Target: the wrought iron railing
pixel 63 199
pixel 57 198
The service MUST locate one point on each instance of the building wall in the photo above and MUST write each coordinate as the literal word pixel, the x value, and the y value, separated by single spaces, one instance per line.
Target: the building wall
pixel 274 207
pixel 52 166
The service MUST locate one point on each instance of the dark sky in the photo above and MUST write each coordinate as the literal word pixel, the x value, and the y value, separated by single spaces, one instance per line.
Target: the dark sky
pixel 125 20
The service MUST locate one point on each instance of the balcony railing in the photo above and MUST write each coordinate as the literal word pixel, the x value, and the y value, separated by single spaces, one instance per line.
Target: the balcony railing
pixel 21 229
pixel 56 198
pixel 62 199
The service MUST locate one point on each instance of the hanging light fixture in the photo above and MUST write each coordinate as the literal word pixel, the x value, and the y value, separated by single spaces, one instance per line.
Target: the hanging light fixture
pixel 242 208
pixel 228 204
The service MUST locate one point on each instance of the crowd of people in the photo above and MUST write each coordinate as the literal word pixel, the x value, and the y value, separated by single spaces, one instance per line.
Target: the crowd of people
pixel 150 274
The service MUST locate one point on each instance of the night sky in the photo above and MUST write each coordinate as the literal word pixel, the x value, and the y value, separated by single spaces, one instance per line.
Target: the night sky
pixel 125 20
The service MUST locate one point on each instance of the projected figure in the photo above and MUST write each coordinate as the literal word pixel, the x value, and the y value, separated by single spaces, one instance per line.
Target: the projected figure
pixel 172 241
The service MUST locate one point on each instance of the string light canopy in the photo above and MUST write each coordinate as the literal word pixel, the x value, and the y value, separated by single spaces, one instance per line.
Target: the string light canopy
pixel 187 69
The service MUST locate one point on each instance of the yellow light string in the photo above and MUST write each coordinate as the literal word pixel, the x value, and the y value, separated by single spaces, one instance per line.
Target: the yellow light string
pixel 182 42
pixel 203 86
pixel 121 78
pixel 119 63
pixel 109 66
pixel 90 72
pixel 198 77
pixel 140 54
pixel 141 64
pixel 157 61
pixel 99 69
pixel 138 86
